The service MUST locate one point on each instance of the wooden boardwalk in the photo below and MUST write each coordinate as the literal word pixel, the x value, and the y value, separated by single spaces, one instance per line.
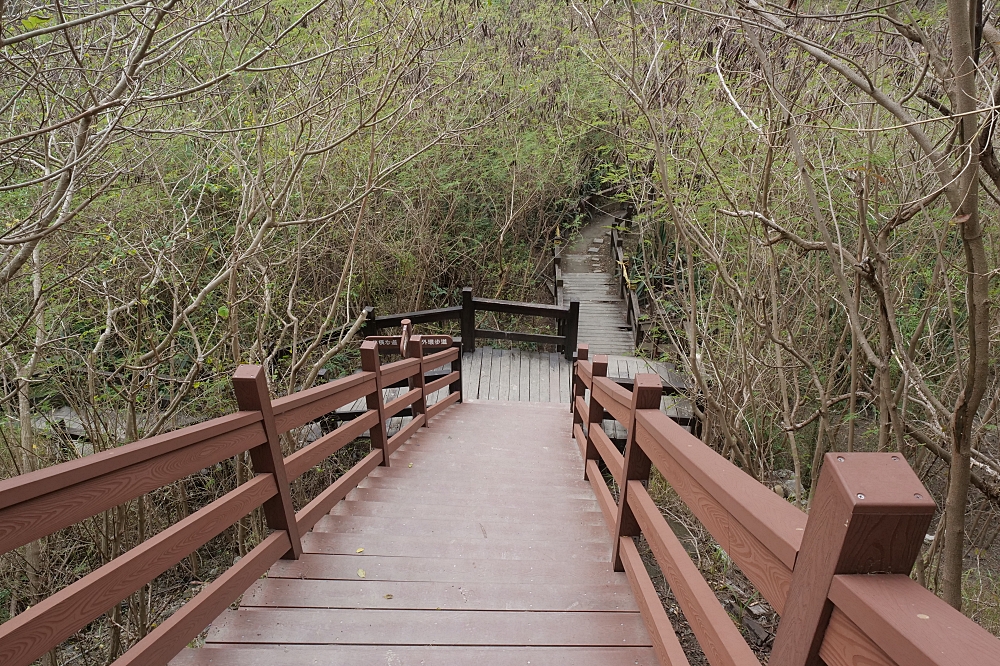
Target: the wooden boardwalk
pixel 480 544
pixel 586 278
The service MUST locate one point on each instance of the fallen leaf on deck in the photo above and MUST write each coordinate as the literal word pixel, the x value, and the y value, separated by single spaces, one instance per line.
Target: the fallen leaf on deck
pixel 361 550
pixel 388 596
pixel 411 465
pixel 361 573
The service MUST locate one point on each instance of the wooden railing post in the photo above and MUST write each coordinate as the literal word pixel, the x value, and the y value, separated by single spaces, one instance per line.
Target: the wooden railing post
pixel 595 412
pixel 576 387
pixel 456 366
pixel 468 321
pixel 370 362
pixel 572 327
pixel 869 515
pixel 252 395
pixel 415 349
pixel 646 392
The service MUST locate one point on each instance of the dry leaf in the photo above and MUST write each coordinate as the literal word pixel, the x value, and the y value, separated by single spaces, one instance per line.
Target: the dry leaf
pixel 410 465
pixel 361 550
pixel 361 573
pixel 388 596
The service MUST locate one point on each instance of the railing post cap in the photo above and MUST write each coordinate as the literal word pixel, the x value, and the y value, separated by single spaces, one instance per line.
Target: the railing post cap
pixel 648 380
pixel 878 483
pixel 247 371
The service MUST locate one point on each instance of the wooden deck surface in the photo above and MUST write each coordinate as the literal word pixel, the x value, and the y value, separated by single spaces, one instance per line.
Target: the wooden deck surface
pixel 480 544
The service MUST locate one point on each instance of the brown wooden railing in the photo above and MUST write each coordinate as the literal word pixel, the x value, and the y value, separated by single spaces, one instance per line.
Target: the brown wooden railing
pixel 567 318
pixel 839 579
pixel 39 503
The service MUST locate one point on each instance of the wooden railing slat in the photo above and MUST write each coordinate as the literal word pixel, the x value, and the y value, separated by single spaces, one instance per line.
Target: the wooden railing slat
pixel 300 412
pixel 775 522
pixel 164 642
pixel 845 644
pixel 43 515
pixel 406 432
pixel 34 632
pixel 403 369
pixel 438 406
pixel 437 359
pixel 309 456
pixel 604 497
pixel 393 407
pixel 310 514
pixel 661 631
pixel 515 336
pixel 768 573
pixel 581 438
pixel 41 482
pixel 612 397
pixel 523 309
pixel 439 384
pixel 718 636
pixel 609 454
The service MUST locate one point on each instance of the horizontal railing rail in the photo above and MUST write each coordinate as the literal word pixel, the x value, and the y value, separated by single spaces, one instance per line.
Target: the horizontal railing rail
pixel 566 317
pixel 39 503
pixel 839 579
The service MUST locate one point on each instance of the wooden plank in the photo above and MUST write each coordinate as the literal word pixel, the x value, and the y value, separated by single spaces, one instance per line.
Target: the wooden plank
pixel 604 497
pixel 392 568
pixel 523 309
pixel 553 377
pixel 551 492
pixel 504 391
pixel 474 376
pixel 585 597
pixel 411 655
pixel 324 627
pixel 434 496
pixel 452 527
pixel 302 407
pixel 615 400
pixel 543 377
pixel 718 636
pixel 661 631
pixel 166 640
pixel 514 336
pixel 402 369
pixel 482 512
pixel 406 432
pixel 581 439
pixel 346 544
pixel 438 384
pixel 514 392
pixel 524 384
pixel 533 383
pixel 845 644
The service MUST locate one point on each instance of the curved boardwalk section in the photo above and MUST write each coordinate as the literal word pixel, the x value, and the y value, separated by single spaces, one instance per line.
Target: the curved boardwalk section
pixel 480 544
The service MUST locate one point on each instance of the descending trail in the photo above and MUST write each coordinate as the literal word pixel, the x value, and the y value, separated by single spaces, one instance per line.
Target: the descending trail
pixel 587 278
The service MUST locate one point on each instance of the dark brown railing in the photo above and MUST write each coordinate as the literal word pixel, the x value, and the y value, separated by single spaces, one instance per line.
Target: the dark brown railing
pixel 567 318
pixel 39 503
pixel 840 580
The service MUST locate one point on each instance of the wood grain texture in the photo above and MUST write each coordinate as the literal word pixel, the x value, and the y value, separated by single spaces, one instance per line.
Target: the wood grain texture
pixel 396 405
pixel 718 636
pixel 661 631
pixel 46 513
pixel 772 520
pixel 402 369
pixel 911 624
pixel 439 384
pixel 846 645
pixel 768 573
pixel 608 452
pixel 869 514
pixel 615 399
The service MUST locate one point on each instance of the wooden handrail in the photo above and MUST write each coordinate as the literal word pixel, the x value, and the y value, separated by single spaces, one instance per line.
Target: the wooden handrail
pixel 39 503
pixel 869 517
pixel 567 318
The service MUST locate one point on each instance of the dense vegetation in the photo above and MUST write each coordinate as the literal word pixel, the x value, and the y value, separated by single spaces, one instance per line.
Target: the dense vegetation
pixel 189 186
